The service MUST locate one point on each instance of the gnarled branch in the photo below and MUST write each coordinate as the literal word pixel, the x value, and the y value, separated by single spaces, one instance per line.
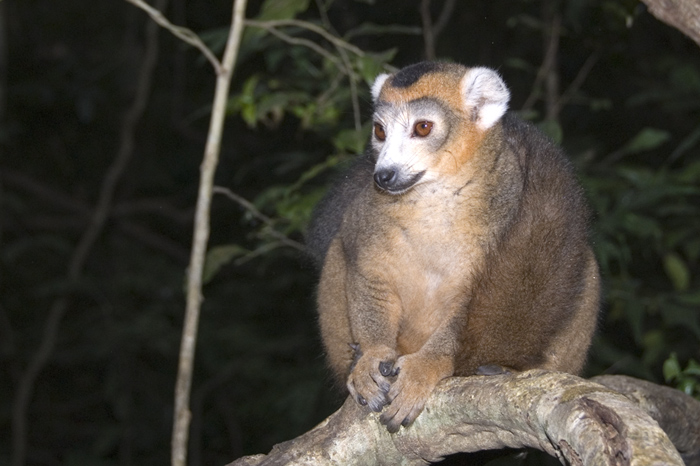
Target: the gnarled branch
pixel 683 15
pixel 576 420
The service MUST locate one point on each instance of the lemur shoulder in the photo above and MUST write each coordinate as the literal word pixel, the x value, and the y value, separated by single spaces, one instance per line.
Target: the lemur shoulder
pixel 457 244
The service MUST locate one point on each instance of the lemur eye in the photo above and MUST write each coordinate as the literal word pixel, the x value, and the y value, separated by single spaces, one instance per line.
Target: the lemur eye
pixel 379 132
pixel 423 128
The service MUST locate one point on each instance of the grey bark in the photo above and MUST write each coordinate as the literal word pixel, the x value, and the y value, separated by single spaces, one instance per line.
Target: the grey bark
pixel 683 15
pixel 607 421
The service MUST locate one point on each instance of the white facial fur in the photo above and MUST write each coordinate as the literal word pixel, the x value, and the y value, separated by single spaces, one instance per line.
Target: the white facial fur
pixel 485 98
pixel 402 149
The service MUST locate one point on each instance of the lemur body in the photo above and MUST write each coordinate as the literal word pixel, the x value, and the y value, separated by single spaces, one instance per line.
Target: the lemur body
pixel 457 244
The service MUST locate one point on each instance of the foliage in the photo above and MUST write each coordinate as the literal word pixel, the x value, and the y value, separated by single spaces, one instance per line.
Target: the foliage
pixel 687 380
pixel 297 114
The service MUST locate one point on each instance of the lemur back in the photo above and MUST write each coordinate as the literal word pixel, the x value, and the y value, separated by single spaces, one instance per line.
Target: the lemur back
pixel 459 244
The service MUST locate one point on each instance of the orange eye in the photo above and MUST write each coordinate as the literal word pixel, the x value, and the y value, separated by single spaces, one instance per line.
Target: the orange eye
pixel 379 132
pixel 422 128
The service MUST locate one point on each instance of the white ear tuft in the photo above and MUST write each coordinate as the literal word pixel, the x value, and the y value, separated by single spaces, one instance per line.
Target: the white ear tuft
pixel 377 86
pixel 485 95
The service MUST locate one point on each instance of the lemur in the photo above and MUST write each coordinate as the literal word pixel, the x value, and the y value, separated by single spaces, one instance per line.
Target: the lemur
pixel 457 245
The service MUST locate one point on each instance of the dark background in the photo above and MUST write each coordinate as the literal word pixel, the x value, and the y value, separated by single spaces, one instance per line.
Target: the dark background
pixel 69 74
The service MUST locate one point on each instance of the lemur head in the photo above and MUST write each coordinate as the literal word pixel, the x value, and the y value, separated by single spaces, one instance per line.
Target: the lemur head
pixel 429 118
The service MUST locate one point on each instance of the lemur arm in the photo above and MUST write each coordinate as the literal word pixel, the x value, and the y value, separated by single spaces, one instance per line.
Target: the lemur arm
pixel 374 321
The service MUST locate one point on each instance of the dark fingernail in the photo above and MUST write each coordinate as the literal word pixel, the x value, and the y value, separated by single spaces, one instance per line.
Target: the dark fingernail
pixel 385 368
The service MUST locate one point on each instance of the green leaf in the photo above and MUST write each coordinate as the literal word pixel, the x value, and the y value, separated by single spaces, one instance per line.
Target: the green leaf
pixel 282 9
pixel 646 139
pixel 317 169
pixel 351 141
pixel 372 64
pixel 693 368
pixel 635 313
pixel 245 102
pixel 687 386
pixel 641 226
pixel 654 345
pixel 671 368
pixel 686 78
pixel 681 316
pixel 677 271
pixel 553 129
pixel 217 257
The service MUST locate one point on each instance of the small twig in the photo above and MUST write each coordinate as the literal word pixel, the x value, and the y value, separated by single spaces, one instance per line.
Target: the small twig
pixel 84 247
pixel 247 205
pixel 58 199
pixel 7 348
pixel 183 33
pixel 264 249
pixel 286 241
pixel 548 63
pixel 337 41
pixel 445 16
pixel 428 38
pixel 79 212
pixel 154 207
pixel 431 30
pixel 3 89
pixel 323 12
pixel 272 29
pixel 155 241
pixel 324 97
pixel 552 76
pixel 354 98
pixel 578 80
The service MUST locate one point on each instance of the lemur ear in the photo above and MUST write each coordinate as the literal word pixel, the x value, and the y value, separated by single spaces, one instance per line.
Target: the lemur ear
pixel 485 96
pixel 377 86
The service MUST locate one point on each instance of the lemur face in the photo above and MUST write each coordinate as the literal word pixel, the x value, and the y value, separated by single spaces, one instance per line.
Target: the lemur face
pixel 428 119
pixel 408 136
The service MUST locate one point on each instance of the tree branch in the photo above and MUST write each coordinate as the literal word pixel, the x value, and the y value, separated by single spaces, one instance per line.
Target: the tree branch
pixel 677 413
pixel 551 37
pixel 201 237
pixel 578 421
pixel 269 223
pixel 432 31
pixel 683 15
pixel 428 38
pixel 182 33
pixel 445 16
pixel 79 214
pixel 578 81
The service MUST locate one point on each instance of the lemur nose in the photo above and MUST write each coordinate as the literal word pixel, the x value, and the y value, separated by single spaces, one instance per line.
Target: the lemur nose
pixel 386 178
